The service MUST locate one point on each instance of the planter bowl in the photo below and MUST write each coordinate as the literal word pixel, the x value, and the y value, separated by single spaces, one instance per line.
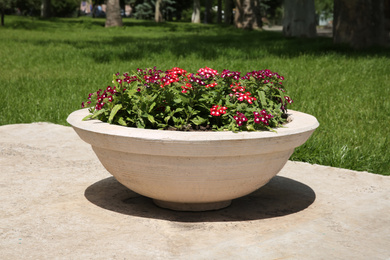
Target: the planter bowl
pixel 192 171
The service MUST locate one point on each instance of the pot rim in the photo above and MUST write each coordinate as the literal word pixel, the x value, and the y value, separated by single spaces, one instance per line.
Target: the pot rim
pixel 301 123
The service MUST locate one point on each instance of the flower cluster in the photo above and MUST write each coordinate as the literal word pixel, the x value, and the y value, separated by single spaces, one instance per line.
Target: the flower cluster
pixel 217 110
pixel 239 92
pixel 230 74
pixel 288 99
pixel 211 85
pixel 102 97
pixel 262 117
pixel 240 118
pixel 172 76
pixel 207 72
pixel 177 99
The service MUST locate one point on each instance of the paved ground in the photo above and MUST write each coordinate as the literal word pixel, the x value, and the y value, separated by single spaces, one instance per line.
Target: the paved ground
pixel 321 31
pixel 57 202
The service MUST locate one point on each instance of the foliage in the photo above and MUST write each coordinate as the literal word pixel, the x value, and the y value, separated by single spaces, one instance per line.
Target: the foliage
pixel 64 8
pixel 26 7
pixel 146 9
pixel 182 8
pixel 272 10
pixel 5 4
pixel 176 99
pixel 324 7
pixel 59 8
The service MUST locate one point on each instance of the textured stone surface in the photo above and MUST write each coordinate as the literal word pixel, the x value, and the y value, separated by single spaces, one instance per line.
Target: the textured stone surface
pixel 57 201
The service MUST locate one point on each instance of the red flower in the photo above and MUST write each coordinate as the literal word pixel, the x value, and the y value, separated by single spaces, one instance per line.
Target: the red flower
pixel 217 110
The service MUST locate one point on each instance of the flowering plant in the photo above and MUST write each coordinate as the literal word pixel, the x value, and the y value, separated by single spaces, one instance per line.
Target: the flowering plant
pixel 179 100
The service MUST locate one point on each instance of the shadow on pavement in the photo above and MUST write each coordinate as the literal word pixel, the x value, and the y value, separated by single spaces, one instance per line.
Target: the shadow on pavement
pixel 280 197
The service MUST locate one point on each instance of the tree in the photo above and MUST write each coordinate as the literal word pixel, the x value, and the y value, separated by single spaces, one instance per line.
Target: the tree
pixel 145 10
pixel 3 5
pixel 219 11
pixel 360 23
pixel 157 14
pixel 196 12
pixel 159 10
pixel 182 6
pixel 113 14
pixel 247 14
pixel 228 11
pixel 164 10
pixel 46 8
pixel 207 11
pixel 299 19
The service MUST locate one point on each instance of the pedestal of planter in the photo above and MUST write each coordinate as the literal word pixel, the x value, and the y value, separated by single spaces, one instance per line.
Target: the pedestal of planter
pixel 192 206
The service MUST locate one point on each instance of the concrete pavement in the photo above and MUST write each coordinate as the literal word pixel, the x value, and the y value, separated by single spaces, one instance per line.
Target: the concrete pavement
pixel 58 202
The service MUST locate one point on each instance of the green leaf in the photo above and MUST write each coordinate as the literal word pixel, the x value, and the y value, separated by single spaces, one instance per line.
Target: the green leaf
pixel 199 120
pixel 184 98
pixel 250 128
pixel 113 112
pixel 281 93
pixel 143 114
pixel 101 111
pixel 151 119
pixel 161 126
pixel 121 121
pixel 152 106
pixel 178 121
pixel 153 98
pixel 87 117
pixel 140 123
pixel 262 98
pixel 177 100
pixel 241 107
pixel 131 92
pixel 130 120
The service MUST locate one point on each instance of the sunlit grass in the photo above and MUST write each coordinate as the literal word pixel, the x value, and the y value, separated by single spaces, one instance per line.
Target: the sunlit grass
pixel 47 68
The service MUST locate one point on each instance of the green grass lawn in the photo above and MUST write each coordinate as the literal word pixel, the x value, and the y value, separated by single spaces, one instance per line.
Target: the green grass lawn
pixel 48 68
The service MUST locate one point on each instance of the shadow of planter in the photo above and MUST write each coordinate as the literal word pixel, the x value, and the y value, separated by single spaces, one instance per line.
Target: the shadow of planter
pixel 280 197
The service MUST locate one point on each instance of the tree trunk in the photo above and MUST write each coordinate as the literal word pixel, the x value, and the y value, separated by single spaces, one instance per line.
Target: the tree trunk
pixel 46 8
pixel 387 16
pixel 2 11
pixel 207 12
pixel 387 22
pixel 299 19
pixel 196 12
pixel 247 14
pixel 113 14
pixel 219 12
pixel 228 12
pixel 158 18
pixel 360 23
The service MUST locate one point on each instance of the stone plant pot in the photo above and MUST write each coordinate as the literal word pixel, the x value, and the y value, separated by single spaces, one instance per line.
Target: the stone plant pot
pixel 192 171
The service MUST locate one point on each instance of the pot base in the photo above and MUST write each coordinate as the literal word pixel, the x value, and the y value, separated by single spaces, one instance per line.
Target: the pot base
pixel 192 206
